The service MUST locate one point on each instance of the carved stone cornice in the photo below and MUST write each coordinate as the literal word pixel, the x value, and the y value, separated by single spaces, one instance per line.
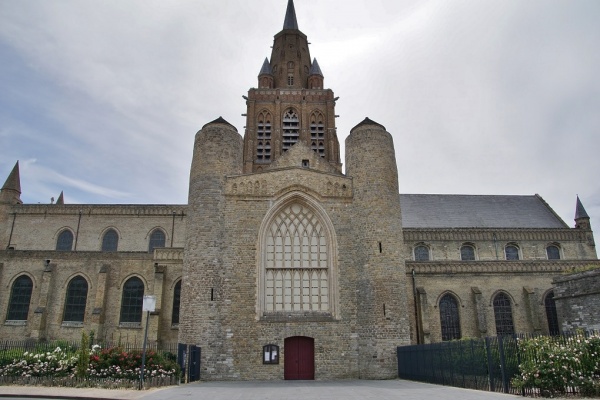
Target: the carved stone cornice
pixel 169 254
pixel 138 210
pixel 491 234
pixel 495 267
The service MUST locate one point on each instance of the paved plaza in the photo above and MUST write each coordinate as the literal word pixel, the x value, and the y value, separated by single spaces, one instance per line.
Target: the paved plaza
pixel 276 390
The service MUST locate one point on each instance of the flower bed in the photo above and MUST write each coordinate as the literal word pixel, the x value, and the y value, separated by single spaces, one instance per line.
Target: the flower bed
pixel 111 367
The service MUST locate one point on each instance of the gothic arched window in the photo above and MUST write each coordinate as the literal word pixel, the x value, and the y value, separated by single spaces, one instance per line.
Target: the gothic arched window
pixel 503 315
pixel 449 318
pixel 551 314
pixel 176 303
pixel 20 297
pixel 110 241
pixel 553 252
pixel 291 129
pixel 157 239
pixel 132 300
pixel 467 252
pixel 512 252
pixel 65 241
pixel 263 137
pixel 317 133
pixel 76 300
pixel 421 253
pixel 296 263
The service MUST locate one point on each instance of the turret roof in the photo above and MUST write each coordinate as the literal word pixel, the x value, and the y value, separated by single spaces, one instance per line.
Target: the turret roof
pixel 61 199
pixel 367 121
pixel 266 68
pixel 580 211
pixel 13 182
pixel 314 68
pixel 220 120
pixel 290 21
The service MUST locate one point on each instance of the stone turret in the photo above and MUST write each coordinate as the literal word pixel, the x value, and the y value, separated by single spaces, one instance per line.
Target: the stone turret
pixel 315 77
pixel 11 190
pixel 217 153
pixel 265 76
pixel 10 195
pixel 582 219
pixel 382 312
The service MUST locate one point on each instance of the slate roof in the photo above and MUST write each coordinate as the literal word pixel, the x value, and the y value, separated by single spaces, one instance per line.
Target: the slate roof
pixel 473 211
pixel 290 21
pixel 580 211
pixel 315 69
pixel 13 182
pixel 367 121
pixel 266 68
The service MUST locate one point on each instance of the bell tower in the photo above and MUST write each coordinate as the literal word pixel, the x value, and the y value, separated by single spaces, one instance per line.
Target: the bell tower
pixel 290 103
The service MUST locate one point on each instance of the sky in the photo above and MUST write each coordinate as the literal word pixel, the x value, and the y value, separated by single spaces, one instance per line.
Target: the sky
pixel 102 99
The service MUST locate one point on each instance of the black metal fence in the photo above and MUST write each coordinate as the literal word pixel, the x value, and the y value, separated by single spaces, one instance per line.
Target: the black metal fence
pixel 483 364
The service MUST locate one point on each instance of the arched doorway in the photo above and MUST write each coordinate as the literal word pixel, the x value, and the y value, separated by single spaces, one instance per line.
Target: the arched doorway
pixel 299 352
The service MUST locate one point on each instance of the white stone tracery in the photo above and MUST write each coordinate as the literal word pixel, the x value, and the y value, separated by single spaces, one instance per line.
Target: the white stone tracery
pixel 296 259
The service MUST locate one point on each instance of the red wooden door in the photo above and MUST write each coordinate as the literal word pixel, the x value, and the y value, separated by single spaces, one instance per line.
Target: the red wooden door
pixel 299 358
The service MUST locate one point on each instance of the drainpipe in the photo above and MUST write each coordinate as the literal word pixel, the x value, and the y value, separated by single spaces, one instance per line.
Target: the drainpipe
pixel 416 307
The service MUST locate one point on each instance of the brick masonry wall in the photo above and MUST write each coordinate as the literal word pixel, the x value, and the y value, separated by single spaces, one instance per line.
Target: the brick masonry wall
pixel 577 299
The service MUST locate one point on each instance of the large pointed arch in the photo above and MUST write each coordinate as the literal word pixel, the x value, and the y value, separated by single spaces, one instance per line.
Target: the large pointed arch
pixel 296 260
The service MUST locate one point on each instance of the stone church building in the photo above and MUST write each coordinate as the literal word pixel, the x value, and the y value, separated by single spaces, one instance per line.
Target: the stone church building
pixel 283 265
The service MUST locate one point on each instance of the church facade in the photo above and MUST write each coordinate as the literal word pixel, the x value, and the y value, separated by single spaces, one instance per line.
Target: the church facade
pixel 281 266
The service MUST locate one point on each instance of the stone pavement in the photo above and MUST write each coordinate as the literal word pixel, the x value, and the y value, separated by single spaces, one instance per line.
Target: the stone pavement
pixel 279 390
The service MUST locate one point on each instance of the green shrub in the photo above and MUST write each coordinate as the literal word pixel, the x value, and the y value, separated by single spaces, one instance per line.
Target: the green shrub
pixel 553 365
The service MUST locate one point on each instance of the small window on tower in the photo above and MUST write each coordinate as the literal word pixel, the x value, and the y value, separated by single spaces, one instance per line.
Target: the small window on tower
pixel 305 163
pixel 290 80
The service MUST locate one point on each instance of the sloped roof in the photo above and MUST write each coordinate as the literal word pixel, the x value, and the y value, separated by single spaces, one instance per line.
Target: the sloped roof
pixel 580 211
pixel 315 69
pixel 290 21
pixel 13 182
pixel 477 211
pixel 266 68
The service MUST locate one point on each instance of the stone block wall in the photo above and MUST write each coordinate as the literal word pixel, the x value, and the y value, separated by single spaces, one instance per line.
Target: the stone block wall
pixel 577 298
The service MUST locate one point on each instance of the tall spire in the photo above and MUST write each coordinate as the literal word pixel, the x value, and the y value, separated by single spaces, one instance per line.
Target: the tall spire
pixel 290 21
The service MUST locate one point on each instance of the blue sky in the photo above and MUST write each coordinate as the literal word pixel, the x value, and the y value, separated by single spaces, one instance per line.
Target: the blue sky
pixel 103 99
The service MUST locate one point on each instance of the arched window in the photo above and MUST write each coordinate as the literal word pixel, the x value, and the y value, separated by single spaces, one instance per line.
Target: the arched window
pixel 65 241
pixel 467 252
pixel 263 137
pixel 512 252
pixel 449 318
pixel 176 302
pixel 296 262
pixel 553 252
pixel 317 133
pixel 421 253
pixel 132 300
pixel 551 314
pixel 110 240
pixel 20 297
pixel 503 315
pixel 76 300
pixel 291 129
pixel 157 239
